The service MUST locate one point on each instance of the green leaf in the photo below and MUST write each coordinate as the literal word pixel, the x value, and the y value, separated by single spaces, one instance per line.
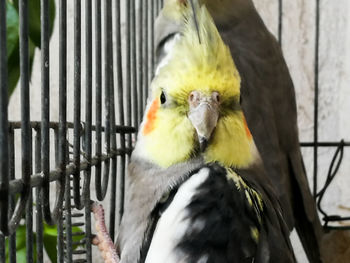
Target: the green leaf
pixel 50 240
pixel 34 19
pixel 50 230
pixel 13 66
pixel 34 22
pixel 12 26
pixel 13 69
pixel 76 229
pixel 20 245
pixel 12 20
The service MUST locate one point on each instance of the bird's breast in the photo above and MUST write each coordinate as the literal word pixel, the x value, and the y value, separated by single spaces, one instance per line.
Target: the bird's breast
pixel 210 218
pixel 175 222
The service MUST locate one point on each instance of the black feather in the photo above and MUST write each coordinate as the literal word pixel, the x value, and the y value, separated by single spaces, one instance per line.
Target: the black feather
pixel 228 219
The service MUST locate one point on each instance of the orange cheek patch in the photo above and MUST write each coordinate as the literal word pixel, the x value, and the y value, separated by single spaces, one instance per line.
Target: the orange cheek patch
pixel 151 117
pixel 247 131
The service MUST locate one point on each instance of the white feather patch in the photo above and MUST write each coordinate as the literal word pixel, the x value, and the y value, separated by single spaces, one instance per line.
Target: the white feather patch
pixel 173 224
pixel 168 47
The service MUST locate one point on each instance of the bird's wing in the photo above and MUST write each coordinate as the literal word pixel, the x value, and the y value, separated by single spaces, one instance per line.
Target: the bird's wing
pixel 270 108
pixel 276 232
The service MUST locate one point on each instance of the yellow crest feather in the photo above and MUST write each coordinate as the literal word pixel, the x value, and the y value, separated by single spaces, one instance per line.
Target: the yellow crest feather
pixel 208 59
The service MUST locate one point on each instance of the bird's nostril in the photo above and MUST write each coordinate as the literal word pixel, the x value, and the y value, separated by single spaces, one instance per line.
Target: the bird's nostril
pixel 216 96
pixel 191 97
pixel 194 97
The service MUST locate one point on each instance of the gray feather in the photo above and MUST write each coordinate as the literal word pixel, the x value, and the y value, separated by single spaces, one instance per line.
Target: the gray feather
pixel 146 184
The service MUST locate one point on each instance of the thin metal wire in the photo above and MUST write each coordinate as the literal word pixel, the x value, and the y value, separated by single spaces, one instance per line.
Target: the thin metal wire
pixel 333 169
pixel 100 193
pixel 133 67
pixel 145 51
pixel 29 211
pixel 114 165
pixel 156 8
pixel 77 103
pixel 4 154
pixel 45 110
pixel 108 68
pixel 52 218
pixel 60 241
pixel 16 125
pixel 62 129
pixel 127 56
pixel 12 203
pixel 38 202
pixel 88 125
pixel 280 21
pixel 29 228
pixel 160 5
pixel 317 44
pixel 118 51
pixel 25 117
pixel 68 242
pixel 121 170
pixel 325 144
pixel 140 28
pixel 150 28
pixel 153 16
pixel 4 150
pixel 112 145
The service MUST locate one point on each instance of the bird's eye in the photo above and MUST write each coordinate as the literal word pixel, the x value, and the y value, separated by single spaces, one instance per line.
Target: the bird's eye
pixel 162 98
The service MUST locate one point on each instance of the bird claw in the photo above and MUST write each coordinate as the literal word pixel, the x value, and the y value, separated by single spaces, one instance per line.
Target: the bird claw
pixel 102 240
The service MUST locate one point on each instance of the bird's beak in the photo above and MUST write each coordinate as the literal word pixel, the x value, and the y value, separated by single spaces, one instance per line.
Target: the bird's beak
pixel 204 114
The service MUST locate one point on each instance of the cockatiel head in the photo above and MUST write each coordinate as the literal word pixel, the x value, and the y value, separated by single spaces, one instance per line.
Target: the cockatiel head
pixel 194 108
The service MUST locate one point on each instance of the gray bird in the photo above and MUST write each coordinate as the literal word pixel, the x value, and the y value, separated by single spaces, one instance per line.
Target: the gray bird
pixel 268 102
pixel 196 188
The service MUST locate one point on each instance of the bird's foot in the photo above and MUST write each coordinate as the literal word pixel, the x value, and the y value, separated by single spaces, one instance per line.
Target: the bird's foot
pixel 102 239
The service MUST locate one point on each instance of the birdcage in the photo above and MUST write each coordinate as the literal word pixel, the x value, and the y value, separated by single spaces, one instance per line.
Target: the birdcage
pixel 102 57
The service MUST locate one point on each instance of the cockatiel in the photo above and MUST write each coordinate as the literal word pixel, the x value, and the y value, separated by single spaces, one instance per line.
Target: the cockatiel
pixel 190 196
pixel 268 102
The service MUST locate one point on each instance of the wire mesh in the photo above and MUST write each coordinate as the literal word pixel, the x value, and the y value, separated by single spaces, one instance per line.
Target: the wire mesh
pixel 117 86
pixel 76 159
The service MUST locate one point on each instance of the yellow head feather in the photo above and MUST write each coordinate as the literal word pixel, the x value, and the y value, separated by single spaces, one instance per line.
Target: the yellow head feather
pixel 199 61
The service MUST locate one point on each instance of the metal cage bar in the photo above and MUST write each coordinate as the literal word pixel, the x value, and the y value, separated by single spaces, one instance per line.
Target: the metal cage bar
pixel 120 91
pixel 317 39
pixel 4 150
pixel 77 102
